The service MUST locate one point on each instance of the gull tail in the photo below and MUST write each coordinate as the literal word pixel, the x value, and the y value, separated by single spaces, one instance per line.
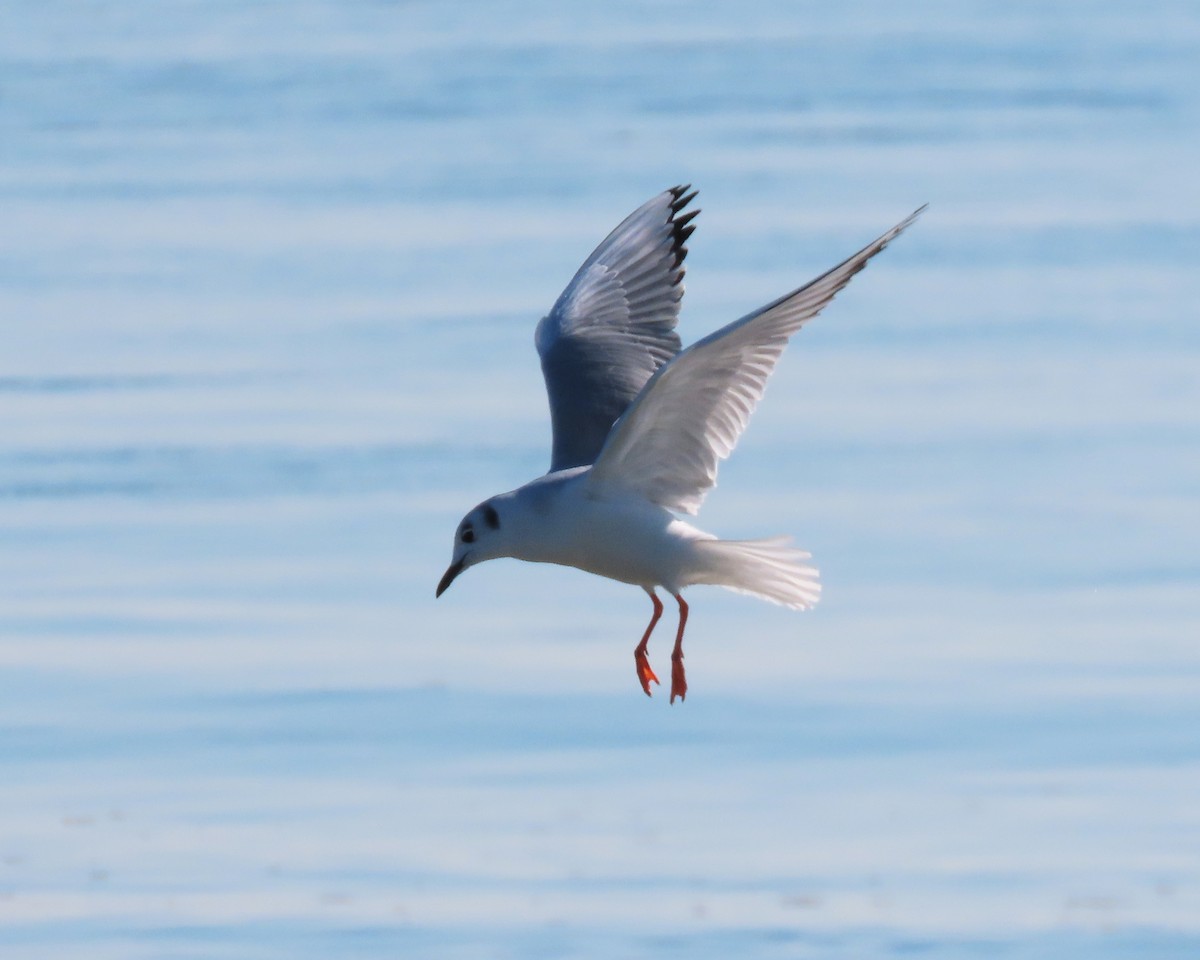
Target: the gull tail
pixel 772 569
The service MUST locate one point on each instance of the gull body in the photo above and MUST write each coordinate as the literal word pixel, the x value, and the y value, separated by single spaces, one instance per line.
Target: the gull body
pixel 557 519
pixel 640 427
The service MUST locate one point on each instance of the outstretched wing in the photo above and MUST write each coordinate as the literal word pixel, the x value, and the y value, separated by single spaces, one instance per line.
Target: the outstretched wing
pixel 614 325
pixel 689 416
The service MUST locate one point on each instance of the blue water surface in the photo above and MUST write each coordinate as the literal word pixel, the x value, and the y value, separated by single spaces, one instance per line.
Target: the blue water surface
pixel 268 280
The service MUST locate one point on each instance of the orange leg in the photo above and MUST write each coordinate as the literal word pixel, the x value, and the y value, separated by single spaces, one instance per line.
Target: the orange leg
pixel 678 678
pixel 645 674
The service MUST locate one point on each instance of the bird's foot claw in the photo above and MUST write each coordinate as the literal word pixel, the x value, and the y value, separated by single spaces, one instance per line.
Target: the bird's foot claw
pixel 678 680
pixel 645 674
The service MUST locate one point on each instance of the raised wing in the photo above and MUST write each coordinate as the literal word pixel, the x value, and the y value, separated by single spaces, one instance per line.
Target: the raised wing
pixel 688 418
pixel 614 325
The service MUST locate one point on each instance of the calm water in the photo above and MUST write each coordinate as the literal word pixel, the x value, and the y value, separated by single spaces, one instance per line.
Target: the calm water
pixel 268 281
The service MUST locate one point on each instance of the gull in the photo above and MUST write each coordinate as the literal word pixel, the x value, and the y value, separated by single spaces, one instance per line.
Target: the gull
pixel 640 427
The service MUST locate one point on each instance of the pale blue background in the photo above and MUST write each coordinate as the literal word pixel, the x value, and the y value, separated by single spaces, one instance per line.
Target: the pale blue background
pixel 268 279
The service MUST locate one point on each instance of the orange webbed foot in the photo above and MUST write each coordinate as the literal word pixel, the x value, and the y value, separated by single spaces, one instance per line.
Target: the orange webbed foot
pixel 645 674
pixel 678 679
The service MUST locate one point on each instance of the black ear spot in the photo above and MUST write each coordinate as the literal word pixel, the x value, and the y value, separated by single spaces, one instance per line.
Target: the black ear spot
pixel 491 516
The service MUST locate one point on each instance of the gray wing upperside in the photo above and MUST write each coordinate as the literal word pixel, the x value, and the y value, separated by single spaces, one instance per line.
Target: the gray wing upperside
pixel 614 326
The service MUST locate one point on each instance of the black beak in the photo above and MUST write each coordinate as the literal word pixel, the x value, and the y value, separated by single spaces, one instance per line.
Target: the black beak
pixel 448 577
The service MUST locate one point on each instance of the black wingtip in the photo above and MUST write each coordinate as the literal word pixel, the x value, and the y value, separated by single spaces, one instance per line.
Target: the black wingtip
pixel 681 226
pixel 682 197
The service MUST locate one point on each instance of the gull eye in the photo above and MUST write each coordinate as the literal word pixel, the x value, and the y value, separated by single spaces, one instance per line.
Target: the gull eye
pixel 468 535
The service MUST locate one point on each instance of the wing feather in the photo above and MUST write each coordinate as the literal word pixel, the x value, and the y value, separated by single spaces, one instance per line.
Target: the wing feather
pixel 688 417
pixel 614 326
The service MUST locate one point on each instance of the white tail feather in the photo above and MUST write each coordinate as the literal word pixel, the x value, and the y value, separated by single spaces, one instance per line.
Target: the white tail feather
pixel 771 569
